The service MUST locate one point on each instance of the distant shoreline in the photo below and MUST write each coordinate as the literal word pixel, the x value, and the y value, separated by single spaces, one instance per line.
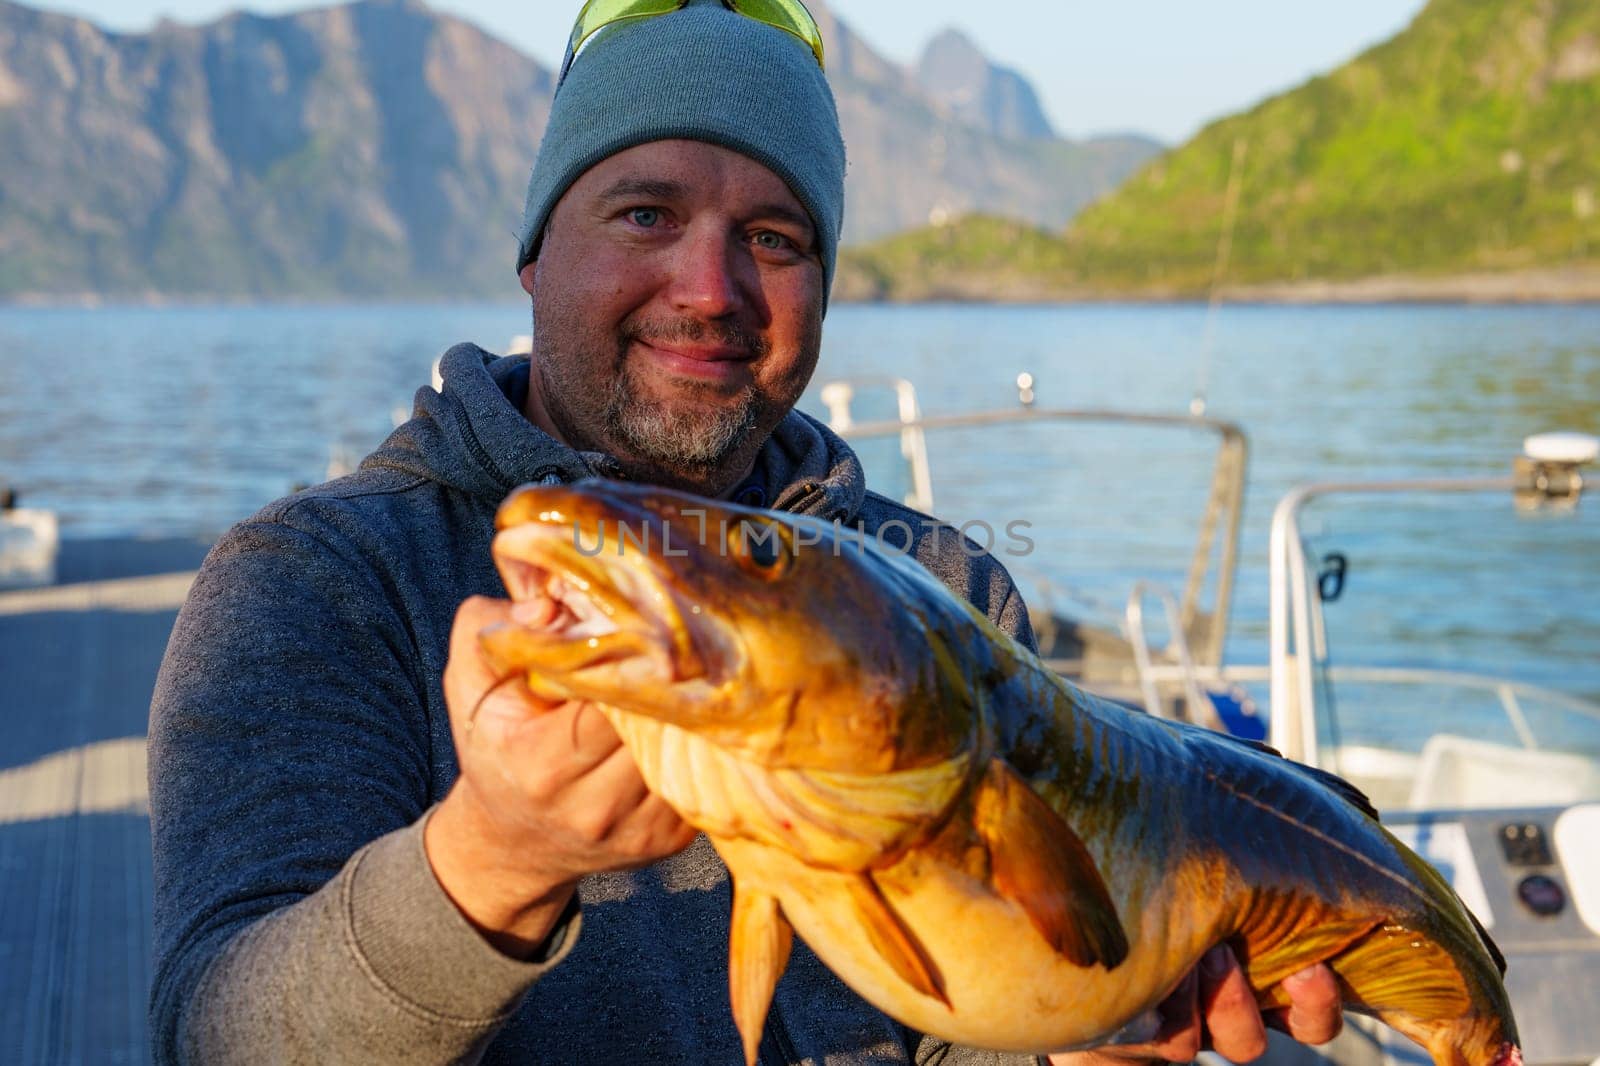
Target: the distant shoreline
pixel 1571 285
pixel 93 301
pixel 1555 287
pixel 1521 287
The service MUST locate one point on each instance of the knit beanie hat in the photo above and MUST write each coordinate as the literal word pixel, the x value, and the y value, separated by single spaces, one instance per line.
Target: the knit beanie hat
pixel 701 73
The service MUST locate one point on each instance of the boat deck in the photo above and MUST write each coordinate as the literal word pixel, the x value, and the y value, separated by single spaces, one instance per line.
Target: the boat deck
pixel 77 663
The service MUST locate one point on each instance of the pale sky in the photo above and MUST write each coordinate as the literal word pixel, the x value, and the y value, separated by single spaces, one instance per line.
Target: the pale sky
pixel 1161 67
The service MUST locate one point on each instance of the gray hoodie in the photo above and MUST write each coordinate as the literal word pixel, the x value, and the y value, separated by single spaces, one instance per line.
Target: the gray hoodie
pixel 299 740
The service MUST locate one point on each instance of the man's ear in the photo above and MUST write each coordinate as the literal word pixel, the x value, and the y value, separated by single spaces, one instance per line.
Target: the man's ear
pixel 526 274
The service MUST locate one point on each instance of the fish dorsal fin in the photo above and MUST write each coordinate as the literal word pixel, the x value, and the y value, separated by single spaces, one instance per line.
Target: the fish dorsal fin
pixel 1351 793
pixel 1488 941
pixel 897 945
pixel 1037 862
pixel 1326 778
pixel 758 950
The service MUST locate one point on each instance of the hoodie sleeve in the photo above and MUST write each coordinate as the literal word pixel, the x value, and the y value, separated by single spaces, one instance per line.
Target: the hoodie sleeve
pixel 296 916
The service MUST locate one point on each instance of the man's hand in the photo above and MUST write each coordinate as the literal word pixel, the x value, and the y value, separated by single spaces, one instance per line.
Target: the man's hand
pixel 1214 1009
pixel 547 794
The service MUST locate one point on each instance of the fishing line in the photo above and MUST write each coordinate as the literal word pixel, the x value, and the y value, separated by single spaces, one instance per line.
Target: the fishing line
pixel 472 716
pixel 1230 215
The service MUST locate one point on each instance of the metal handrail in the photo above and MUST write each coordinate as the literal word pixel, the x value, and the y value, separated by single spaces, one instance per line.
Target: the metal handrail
pixel 1296 621
pixel 1224 505
pixel 836 396
pixel 1197 708
pixel 1396 675
pixel 1511 694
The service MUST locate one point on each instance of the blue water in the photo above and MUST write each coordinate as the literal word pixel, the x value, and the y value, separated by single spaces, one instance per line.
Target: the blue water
pixel 158 421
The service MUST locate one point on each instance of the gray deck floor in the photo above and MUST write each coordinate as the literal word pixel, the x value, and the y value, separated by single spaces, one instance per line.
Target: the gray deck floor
pixel 77 663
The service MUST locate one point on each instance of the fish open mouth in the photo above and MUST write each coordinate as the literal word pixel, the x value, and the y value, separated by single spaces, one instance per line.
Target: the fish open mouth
pixel 580 626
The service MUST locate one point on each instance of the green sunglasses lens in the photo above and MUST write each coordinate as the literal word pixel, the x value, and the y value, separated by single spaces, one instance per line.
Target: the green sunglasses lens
pixel 598 14
pixel 788 15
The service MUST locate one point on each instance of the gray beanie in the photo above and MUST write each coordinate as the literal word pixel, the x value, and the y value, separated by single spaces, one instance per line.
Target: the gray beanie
pixel 702 73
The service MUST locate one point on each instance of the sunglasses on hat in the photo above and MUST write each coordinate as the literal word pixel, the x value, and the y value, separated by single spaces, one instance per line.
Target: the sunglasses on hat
pixel 790 16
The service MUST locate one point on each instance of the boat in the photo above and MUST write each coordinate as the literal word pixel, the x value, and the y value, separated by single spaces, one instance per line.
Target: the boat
pixel 30 539
pixel 1494 780
pixel 1502 795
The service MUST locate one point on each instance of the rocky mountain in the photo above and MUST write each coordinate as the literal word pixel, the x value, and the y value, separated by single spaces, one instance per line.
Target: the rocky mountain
pixel 1458 160
pixel 913 160
pixel 977 92
pixel 380 149
pixel 369 149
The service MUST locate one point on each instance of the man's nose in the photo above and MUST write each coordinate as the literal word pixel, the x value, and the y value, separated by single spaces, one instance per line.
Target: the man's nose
pixel 707 274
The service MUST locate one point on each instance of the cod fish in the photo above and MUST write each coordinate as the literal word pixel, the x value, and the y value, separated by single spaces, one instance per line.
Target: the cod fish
pixel 978 848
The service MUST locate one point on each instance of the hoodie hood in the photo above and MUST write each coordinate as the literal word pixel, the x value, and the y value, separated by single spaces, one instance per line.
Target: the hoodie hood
pixel 473 437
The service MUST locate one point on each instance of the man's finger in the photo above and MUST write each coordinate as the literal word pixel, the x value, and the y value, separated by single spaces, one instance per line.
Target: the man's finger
pixel 472 616
pixel 1314 1014
pixel 612 787
pixel 1231 1015
pixel 551 747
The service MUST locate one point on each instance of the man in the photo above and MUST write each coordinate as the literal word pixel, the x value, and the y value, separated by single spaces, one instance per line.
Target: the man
pixel 344 871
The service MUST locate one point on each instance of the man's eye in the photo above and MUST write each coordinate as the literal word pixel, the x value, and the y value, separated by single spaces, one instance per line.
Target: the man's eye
pixel 775 242
pixel 644 216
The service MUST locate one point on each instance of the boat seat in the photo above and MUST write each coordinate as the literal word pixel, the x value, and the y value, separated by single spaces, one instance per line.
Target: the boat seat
pixel 1461 772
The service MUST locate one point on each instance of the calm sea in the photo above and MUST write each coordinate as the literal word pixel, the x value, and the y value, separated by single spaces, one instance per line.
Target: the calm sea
pixel 150 421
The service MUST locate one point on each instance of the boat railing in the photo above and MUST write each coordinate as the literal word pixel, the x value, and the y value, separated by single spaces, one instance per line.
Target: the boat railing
pixel 1450 769
pixel 1547 474
pixel 1196 707
pixel 1217 542
pixel 1511 695
pixel 837 396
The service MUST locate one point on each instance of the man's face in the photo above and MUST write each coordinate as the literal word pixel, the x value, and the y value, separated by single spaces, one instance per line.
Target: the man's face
pixel 677 305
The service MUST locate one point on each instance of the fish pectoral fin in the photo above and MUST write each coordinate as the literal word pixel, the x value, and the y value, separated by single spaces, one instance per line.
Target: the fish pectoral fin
pixel 1039 863
pixel 758 950
pixel 893 941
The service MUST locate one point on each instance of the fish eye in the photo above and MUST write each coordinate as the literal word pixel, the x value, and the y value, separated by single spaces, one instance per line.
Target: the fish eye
pixel 760 545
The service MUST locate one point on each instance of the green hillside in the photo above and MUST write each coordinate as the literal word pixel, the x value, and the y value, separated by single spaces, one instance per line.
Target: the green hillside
pixel 980 257
pixel 1468 143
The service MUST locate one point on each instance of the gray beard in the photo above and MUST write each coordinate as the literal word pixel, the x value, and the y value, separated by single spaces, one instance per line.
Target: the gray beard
pixel 696 442
pixel 685 445
pixel 680 446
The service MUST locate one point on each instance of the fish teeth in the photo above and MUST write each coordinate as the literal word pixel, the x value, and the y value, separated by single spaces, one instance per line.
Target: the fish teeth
pixel 592 627
pixel 588 620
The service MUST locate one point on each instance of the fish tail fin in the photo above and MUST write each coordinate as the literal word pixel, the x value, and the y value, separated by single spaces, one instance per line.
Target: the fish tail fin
pixel 1039 863
pixel 1442 1049
pixel 1508 1055
pixel 1447 1048
pixel 1448 1003
pixel 758 950
pixel 1467 1041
